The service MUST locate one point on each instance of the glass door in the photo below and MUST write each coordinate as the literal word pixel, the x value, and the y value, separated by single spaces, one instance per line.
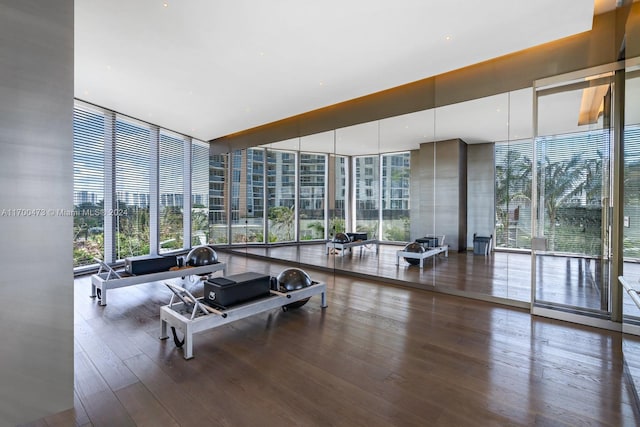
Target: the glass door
pixel 572 220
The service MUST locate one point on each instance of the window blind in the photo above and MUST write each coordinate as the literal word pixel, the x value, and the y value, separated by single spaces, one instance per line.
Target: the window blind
pixel 88 185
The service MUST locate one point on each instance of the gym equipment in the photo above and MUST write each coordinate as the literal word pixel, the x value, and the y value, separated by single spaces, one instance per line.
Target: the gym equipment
pixel 201 255
pixel 342 238
pixel 293 279
pixel 411 253
pixel 357 236
pixel 344 243
pixel 108 278
pixel 414 247
pixel 225 291
pixel 190 315
pixel 146 264
pixel 632 291
pixel 429 241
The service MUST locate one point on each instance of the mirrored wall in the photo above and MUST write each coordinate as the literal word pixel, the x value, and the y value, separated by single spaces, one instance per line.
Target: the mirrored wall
pixel 451 172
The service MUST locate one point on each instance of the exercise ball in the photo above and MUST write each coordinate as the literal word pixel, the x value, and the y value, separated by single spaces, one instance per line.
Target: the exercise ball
pixel 341 238
pixel 292 279
pixel 201 255
pixel 413 247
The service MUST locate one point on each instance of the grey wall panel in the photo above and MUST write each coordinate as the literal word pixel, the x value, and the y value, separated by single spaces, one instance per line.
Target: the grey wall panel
pixel 480 191
pixel 447 191
pixel 36 189
pixel 426 188
pixel 462 196
pixel 438 191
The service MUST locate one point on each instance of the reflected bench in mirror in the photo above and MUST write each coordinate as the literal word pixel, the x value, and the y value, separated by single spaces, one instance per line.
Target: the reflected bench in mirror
pixel 429 246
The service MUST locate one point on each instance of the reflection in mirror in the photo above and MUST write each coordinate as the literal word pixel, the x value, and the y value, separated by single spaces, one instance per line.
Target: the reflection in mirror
pixel 218 169
pixel 281 196
pixel 407 177
pixel 572 148
pixel 247 196
pixel 512 196
pixel 631 223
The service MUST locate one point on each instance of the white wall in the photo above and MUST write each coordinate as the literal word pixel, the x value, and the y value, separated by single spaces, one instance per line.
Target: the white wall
pixel 36 180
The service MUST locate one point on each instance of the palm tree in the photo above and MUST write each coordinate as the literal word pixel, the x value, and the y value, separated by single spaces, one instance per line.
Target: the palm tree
pixel 562 181
pixel 283 219
pixel 513 181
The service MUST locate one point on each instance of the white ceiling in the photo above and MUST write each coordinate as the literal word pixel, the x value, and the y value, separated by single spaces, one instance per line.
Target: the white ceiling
pixel 211 68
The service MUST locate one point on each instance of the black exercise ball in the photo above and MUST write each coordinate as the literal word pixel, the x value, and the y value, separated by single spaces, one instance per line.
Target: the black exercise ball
pixel 341 238
pixel 413 247
pixel 293 279
pixel 201 255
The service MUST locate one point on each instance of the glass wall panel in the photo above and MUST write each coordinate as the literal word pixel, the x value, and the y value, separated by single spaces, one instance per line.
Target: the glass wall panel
pixel 513 194
pixel 132 165
pixel 247 196
pixel 171 191
pixel 281 195
pixel 218 190
pixel 339 203
pixel 631 224
pixel 88 185
pixel 367 194
pixel 572 256
pixel 312 199
pixel 199 193
pixel 396 175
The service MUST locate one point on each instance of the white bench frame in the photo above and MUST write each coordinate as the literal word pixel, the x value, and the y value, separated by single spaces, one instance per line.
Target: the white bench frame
pixel 190 316
pixel 350 245
pixel 429 252
pixel 107 278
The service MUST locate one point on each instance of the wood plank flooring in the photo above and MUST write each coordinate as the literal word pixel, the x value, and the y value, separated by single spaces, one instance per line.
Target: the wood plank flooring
pixel 379 355
pixel 568 281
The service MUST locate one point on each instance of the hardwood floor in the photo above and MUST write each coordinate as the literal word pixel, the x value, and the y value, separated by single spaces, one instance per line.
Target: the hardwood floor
pixel 379 355
pixel 505 276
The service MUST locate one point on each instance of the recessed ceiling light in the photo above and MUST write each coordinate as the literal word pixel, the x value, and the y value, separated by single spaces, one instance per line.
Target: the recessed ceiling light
pixel 165 4
pixel 448 38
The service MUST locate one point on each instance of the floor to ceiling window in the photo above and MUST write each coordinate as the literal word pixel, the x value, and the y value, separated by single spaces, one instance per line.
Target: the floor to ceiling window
pixel 573 197
pixel 116 186
pixel 513 194
pixel 171 192
pixel 281 196
pixel 367 195
pixel 395 196
pixel 312 179
pixel 247 196
pixel 631 220
pixel 218 190
pixel 88 185
pixel 132 167
pixel 199 193
pixel 339 201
